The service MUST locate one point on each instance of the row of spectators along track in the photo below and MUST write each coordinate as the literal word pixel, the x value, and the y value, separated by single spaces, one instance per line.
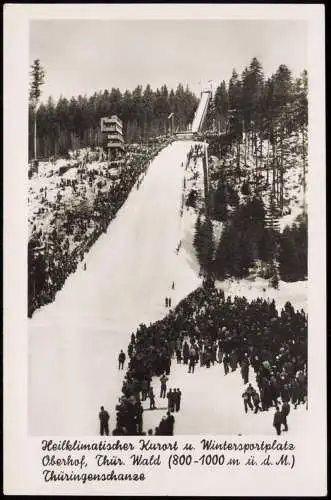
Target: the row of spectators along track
pixel 70 217
pixel 206 328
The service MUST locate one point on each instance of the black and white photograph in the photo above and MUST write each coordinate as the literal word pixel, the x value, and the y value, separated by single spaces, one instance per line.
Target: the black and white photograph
pixel 168 224
pixel 168 214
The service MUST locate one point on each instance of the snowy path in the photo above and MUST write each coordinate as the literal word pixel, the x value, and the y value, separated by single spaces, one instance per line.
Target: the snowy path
pixel 74 342
pixel 294 292
pixel 212 404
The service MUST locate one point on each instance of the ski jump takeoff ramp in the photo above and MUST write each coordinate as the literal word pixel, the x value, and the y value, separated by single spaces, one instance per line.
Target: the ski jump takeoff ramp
pixel 201 112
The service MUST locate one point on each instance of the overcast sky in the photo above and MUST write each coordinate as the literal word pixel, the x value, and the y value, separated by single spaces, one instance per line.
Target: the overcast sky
pixel 84 56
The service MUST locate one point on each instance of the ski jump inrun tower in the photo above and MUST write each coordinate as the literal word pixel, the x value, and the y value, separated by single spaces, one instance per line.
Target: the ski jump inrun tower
pixel 201 112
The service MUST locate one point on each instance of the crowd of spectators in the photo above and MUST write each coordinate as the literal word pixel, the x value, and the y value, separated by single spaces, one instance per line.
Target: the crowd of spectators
pixel 75 204
pixel 205 329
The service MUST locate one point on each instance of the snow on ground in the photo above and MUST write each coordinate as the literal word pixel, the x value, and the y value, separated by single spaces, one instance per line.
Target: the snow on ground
pixel 74 342
pixel 296 292
pixel 289 219
pixel 293 172
pixel 212 404
pixel 217 233
pixel 188 252
pixel 45 187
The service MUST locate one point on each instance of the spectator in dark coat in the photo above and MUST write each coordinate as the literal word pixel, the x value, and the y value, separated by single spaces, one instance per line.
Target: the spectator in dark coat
pixel 278 420
pixel 285 412
pixel 226 361
pixel 171 402
pixel 144 390
pixel 139 419
pixel 163 380
pixel 170 422
pixel 285 393
pixel 256 401
pixel 178 355
pixel 177 399
pixel 244 370
pixel 191 364
pixel 151 399
pixel 186 352
pixel 104 422
pixel 121 360
pixel 247 401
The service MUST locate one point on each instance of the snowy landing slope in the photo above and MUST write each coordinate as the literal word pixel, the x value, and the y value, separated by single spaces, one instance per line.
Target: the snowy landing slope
pixel 74 342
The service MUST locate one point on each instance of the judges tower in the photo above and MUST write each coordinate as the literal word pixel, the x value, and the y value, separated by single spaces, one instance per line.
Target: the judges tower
pixel 112 132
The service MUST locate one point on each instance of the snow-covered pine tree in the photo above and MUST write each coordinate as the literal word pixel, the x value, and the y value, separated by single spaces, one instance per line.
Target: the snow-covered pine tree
pixel 37 75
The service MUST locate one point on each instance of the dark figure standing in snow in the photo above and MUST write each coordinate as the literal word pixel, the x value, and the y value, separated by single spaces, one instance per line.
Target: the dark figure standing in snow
pixel 171 402
pixel 173 285
pixel 186 351
pixel 139 419
pixel 250 391
pixel 278 420
pixel 178 355
pixel 285 394
pixel 245 370
pixel 169 301
pixel 191 364
pixel 151 399
pixel 256 401
pixel 84 266
pixel 177 399
pixel 104 422
pixel 170 422
pixel 226 361
pixel 247 401
pixel 166 301
pixel 121 359
pixel 144 390
pixel 285 411
pixel 163 380
pixel 208 357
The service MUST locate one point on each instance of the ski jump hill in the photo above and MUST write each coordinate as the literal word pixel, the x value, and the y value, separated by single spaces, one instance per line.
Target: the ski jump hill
pixel 74 342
